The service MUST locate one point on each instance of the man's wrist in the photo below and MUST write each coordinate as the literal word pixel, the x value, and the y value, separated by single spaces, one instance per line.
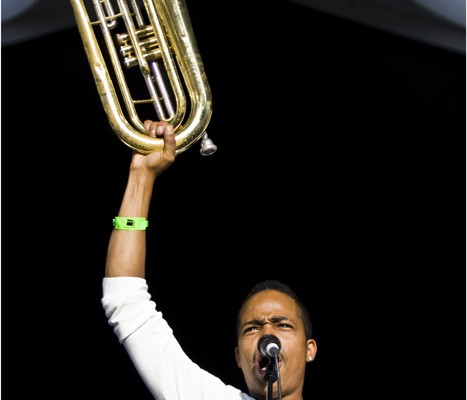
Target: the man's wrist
pixel 130 223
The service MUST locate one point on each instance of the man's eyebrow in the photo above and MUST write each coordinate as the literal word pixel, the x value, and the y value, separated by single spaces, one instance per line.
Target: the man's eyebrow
pixel 279 318
pixel 253 321
pixel 257 321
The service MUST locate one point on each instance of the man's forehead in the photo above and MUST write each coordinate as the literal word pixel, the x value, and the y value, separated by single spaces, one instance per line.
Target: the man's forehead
pixel 270 302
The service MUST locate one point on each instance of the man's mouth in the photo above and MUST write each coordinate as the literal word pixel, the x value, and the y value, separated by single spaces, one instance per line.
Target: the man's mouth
pixel 261 364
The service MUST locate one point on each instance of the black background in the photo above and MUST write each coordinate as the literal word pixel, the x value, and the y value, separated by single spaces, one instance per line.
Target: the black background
pixel 340 170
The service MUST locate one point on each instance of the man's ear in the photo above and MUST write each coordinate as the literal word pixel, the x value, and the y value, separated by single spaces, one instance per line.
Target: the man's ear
pixel 312 348
pixel 237 357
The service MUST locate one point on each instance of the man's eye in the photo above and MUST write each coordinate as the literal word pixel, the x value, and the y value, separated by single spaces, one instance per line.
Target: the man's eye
pixel 251 329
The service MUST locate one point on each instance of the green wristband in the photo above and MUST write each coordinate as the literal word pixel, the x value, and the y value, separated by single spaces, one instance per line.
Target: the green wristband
pixel 130 223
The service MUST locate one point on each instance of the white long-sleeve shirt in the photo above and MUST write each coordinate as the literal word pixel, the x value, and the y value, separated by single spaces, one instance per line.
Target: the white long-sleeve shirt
pixel 158 357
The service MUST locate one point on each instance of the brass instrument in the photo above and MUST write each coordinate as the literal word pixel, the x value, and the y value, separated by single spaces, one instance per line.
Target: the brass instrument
pixel 157 37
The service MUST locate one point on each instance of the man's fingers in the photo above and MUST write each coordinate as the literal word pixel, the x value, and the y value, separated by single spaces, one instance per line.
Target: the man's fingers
pixel 164 130
pixel 155 128
pixel 169 141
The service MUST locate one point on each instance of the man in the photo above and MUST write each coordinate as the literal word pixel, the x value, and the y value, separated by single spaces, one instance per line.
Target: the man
pixel 271 308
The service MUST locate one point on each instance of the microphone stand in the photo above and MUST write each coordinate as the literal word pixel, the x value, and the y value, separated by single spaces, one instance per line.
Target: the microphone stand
pixel 272 375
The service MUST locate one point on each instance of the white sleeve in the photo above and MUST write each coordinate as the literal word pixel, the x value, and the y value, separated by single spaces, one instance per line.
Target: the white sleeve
pixel 162 364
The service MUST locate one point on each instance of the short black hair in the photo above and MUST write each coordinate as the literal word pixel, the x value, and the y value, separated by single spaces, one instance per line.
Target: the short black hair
pixel 274 284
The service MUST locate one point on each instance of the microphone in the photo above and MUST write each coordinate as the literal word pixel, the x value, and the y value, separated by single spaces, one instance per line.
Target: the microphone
pixel 269 346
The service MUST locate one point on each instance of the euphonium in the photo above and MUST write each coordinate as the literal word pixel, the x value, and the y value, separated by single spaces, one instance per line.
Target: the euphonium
pixel 156 38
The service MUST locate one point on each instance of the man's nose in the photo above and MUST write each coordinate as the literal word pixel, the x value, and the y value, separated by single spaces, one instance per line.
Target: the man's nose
pixel 268 329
